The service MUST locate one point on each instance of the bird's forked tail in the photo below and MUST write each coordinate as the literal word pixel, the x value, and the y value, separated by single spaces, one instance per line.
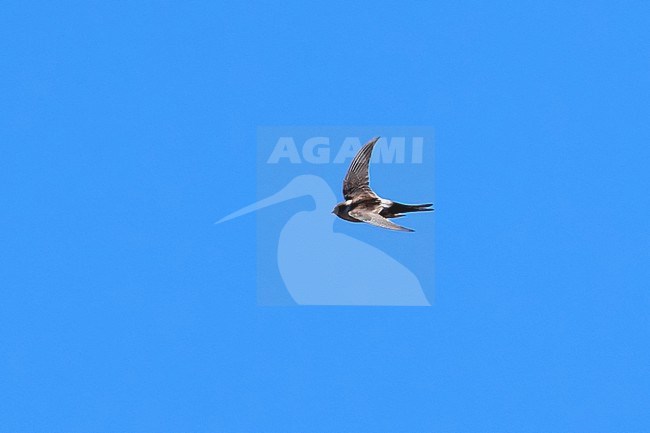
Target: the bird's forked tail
pixel 405 208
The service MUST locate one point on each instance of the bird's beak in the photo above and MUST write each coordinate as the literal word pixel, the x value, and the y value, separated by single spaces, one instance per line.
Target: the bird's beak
pixel 283 195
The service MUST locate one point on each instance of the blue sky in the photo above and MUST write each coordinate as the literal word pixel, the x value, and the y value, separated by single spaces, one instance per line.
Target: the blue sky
pixel 128 129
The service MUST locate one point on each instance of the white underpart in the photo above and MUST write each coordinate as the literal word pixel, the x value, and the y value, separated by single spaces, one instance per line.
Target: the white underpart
pixel 386 203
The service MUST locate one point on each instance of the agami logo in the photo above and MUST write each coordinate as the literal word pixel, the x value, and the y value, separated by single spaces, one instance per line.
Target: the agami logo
pixel 307 256
pixel 318 150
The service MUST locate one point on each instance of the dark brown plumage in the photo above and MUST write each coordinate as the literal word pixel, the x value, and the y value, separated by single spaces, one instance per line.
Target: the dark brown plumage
pixel 362 204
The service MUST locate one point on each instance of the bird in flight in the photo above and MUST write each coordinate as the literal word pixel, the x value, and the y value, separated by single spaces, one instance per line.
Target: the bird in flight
pixel 362 204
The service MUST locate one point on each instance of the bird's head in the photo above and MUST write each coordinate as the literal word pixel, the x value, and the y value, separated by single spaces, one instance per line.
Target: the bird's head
pixel 341 209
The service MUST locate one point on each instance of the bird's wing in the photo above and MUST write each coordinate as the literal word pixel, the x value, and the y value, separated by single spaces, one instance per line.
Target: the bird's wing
pixel 357 179
pixel 371 217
